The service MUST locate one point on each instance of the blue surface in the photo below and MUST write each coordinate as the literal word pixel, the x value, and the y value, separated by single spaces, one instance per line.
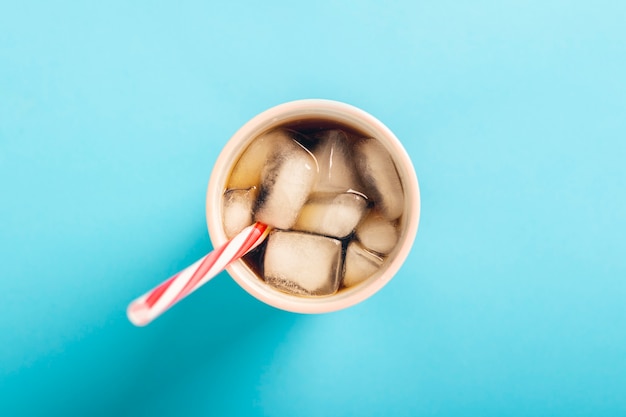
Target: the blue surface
pixel 512 301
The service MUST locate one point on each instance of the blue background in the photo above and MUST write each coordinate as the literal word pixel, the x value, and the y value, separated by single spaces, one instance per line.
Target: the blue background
pixel 512 301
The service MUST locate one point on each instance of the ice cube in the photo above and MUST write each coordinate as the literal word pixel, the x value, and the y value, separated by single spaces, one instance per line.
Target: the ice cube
pixel 377 233
pixel 237 210
pixel 247 171
pixel 334 215
pixel 360 264
pixel 302 263
pixel 337 172
pixel 380 178
pixel 287 178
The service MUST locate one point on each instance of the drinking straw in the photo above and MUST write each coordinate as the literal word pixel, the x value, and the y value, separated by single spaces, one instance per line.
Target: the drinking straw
pixel 156 301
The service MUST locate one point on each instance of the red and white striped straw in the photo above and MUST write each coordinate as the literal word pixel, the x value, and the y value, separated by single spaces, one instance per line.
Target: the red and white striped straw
pixel 152 304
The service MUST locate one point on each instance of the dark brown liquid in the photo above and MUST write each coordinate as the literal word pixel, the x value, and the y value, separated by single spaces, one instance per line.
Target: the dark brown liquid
pixel 307 130
pixel 312 126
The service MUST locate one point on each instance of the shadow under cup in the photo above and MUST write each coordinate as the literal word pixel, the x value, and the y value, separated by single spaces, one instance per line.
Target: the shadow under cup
pixel 306 112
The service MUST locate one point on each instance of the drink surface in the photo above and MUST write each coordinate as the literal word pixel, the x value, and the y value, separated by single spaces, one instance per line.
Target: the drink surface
pixel 333 198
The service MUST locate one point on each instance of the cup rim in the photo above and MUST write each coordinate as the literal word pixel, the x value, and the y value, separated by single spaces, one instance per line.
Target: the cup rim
pixel 310 109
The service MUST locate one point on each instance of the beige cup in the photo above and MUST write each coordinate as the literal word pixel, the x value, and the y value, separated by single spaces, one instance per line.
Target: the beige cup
pixel 303 110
